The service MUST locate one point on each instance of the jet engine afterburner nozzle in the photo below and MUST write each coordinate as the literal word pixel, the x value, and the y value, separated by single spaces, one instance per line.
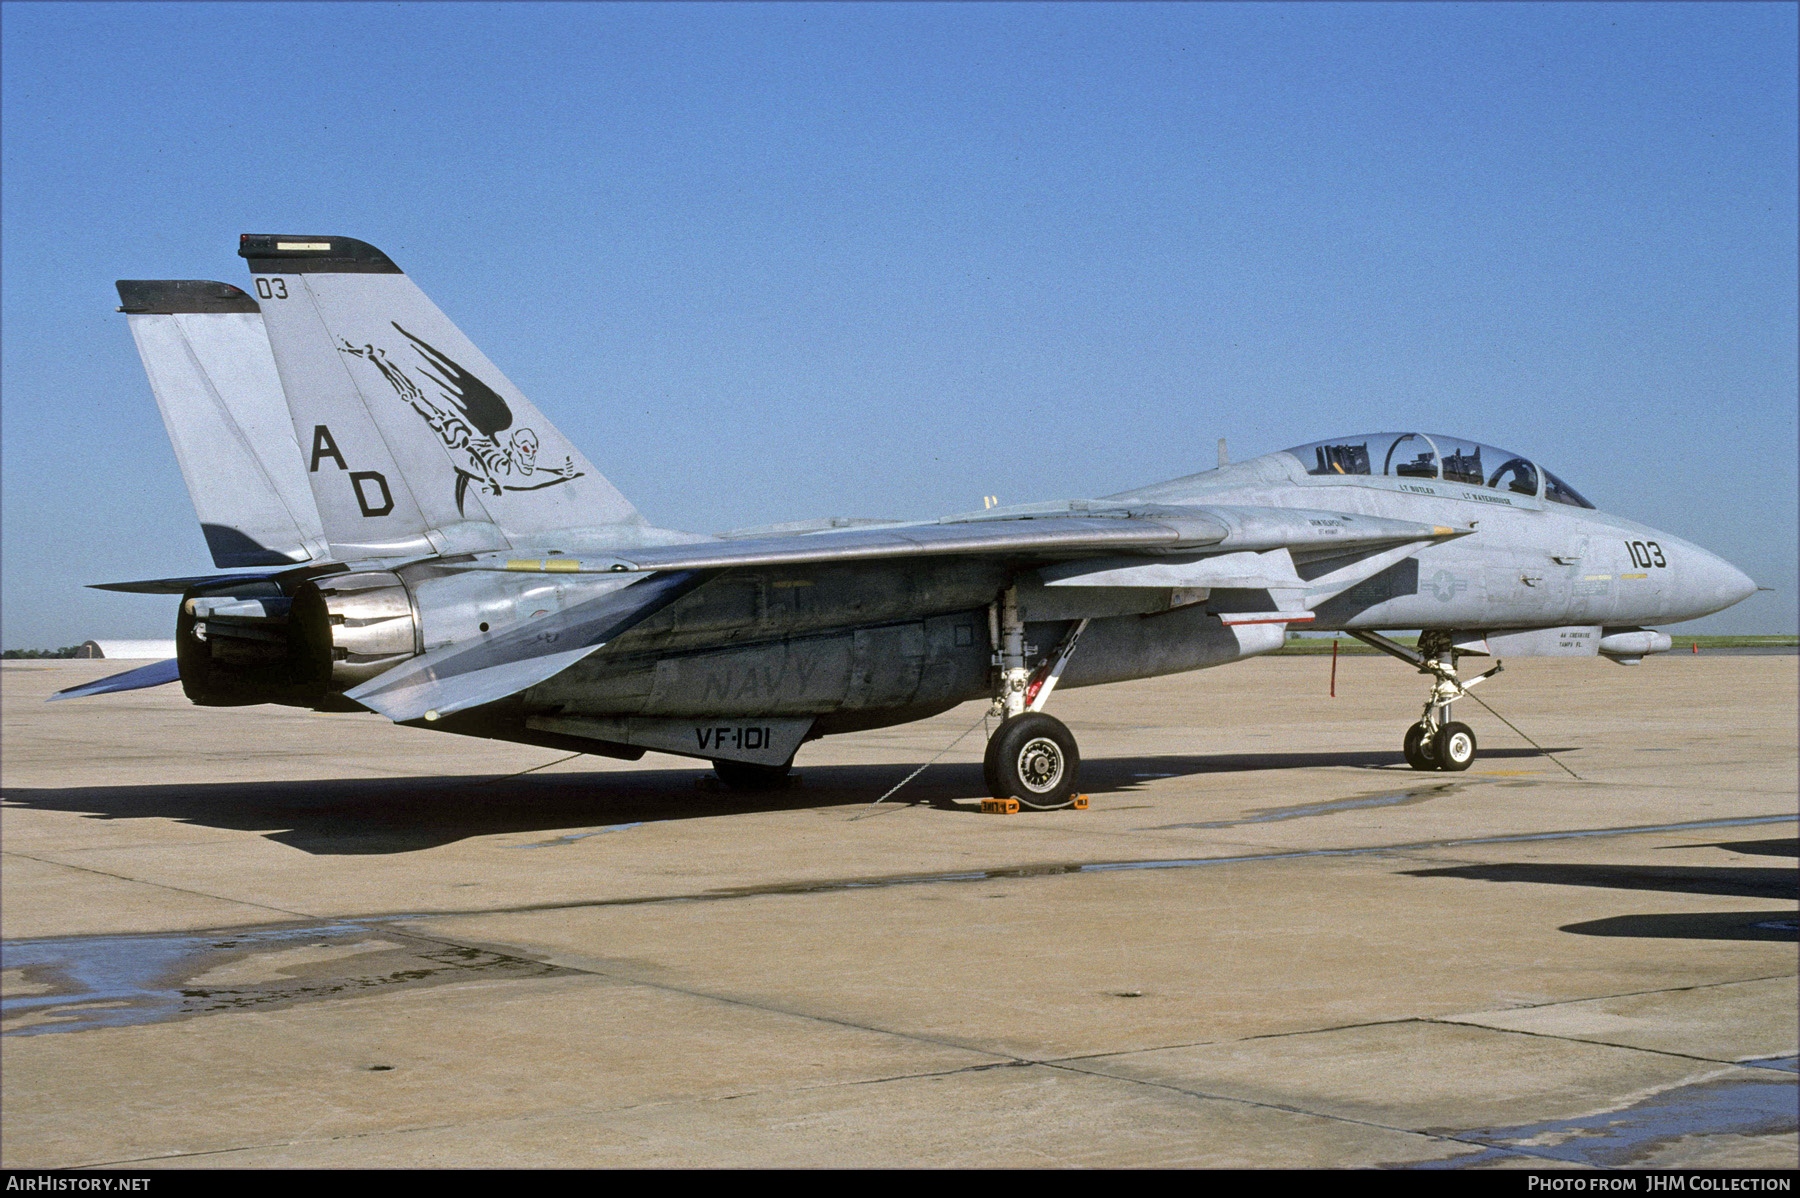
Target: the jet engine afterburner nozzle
pixel 355 626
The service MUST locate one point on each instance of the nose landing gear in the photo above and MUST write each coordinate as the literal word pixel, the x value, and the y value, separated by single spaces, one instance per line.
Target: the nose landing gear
pixel 1435 742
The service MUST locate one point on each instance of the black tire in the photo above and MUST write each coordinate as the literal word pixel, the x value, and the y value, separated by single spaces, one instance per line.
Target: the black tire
pixel 1032 757
pixel 1454 747
pixel 1418 749
pixel 742 775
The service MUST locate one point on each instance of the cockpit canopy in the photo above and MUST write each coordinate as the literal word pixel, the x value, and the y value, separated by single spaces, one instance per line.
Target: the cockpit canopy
pixel 1452 459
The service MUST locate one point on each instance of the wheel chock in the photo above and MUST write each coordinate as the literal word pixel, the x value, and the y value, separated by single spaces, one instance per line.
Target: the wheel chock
pixel 1011 806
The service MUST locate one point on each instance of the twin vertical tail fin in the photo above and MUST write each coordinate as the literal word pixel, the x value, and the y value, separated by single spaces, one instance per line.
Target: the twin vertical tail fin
pixel 208 360
pixel 412 441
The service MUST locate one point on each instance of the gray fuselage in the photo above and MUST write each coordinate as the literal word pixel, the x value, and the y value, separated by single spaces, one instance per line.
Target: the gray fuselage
pixel 863 645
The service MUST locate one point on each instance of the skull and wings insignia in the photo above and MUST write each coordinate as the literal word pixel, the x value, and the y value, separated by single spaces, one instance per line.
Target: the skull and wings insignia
pixel 471 419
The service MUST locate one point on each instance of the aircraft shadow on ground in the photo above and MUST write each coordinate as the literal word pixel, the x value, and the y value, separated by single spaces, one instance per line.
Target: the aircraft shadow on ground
pixel 361 816
pixel 1736 881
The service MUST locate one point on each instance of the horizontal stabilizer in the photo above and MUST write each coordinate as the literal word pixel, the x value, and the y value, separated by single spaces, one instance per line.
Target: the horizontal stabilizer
pixel 157 674
pixel 177 586
pixel 470 673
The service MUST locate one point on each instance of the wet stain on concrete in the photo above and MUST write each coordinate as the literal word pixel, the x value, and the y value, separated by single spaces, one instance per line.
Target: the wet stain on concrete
pixel 83 983
pixel 80 983
pixel 1727 1106
pixel 1046 870
pixel 1265 815
pixel 572 837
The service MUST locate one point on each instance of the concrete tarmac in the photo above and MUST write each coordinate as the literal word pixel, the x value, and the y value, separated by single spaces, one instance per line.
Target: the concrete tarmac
pixel 262 937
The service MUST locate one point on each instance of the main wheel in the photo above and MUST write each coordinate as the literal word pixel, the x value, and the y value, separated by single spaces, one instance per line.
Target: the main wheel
pixel 1032 758
pixel 742 775
pixel 1454 747
pixel 1417 748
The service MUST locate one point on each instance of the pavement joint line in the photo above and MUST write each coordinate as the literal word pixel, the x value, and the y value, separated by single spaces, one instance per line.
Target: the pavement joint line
pixel 556 1112
pixel 1515 1149
pixel 1072 1064
pixel 1518 1031
pixel 1305 1031
pixel 158 885
pixel 1003 1060
pixel 1291 1110
pixel 1059 1063
pixel 1443 1019
pixel 593 1109
pixel 560 961
pixel 694 1100
pixel 143 844
pixel 1563 1002
pixel 199 1152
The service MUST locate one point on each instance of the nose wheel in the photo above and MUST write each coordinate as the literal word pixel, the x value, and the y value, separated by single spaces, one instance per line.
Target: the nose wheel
pixel 1417 748
pixel 1450 747
pixel 1434 741
pixel 1454 747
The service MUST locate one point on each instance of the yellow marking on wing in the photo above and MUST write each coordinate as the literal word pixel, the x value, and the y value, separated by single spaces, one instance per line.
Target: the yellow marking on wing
pixel 529 564
pixel 1634 576
pixel 562 565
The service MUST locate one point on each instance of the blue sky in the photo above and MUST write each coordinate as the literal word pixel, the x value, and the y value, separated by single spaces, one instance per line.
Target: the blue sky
pixel 765 262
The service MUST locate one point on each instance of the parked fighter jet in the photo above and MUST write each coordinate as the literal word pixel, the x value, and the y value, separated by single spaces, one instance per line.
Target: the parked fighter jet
pixel 408 535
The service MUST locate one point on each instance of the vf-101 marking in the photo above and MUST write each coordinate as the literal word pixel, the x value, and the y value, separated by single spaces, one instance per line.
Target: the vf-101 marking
pixel 409 535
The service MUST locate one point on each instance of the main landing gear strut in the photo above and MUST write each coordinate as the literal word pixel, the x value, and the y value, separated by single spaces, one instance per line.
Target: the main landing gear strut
pixel 1031 757
pixel 1435 741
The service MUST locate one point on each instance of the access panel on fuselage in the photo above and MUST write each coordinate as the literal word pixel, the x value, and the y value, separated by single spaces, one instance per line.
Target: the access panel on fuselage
pixel 940 660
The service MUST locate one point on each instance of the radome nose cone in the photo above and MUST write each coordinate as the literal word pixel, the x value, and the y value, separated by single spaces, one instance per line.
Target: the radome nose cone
pixel 1726 582
pixel 1739 585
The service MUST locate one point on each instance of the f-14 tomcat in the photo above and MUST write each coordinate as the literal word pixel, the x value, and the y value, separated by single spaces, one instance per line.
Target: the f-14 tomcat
pixel 406 534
